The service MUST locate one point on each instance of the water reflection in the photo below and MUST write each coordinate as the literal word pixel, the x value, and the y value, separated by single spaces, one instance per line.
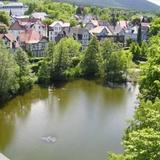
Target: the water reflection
pixel 84 117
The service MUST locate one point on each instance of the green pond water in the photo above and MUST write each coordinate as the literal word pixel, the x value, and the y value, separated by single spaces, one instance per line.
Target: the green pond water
pixel 86 119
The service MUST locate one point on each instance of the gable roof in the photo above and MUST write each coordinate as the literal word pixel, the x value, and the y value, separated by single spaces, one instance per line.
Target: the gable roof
pixel 30 36
pixel 78 30
pixel 10 37
pixel 22 22
pixel 99 29
pixel 16 26
pixel 39 15
pixel 63 24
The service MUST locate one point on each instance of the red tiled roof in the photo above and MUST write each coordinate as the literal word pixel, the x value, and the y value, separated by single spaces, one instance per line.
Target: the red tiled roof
pixel 21 23
pixel 30 36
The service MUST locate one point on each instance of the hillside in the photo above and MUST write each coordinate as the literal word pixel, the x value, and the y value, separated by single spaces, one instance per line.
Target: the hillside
pixel 143 5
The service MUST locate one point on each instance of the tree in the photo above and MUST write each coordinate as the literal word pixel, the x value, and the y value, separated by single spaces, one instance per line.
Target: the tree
pixel 107 47
pixel 4 18
pixel 116 66
pixel 155 27
pixel 60 59
pixel 136 51
pixel 90 61
pixel 144 51
pixel 139 35
pixel 150 79
pixel 44 73
pixel 142 137
pixel 8 74
pixel 142 144
pixel 25 76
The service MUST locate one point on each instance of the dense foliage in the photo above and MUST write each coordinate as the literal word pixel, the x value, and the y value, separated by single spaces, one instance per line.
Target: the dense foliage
pixel 4 18
pixel 14 73
pixel 66 12
pixel 25 77
pixel 104 59
pixel 62 57
pixel 142 138
pixel 8 74
pixel 55 10
pixel 90 61
pixel 155 26
pixel 139 51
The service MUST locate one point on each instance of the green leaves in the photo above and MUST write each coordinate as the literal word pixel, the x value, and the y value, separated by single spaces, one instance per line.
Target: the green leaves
pixel 90 61
pixel 4 18
pixel 142 138
pixel 155 27
pixel 25 77
pixel 8 74
pixel 61 58
pixel 150 79
pixel 142 144
pixel 56 11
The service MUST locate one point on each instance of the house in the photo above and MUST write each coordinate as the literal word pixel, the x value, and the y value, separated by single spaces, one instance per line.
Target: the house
pixel 144 30
pixel 131 33
pixel 38 26
pixel 39 15
pixel 118 30
pixel 33 42
pixel 13 8
pixel 101 32
pixel 56 27
pixel 16 28
pixel 24 23
pixel 82 35
pixel 9 40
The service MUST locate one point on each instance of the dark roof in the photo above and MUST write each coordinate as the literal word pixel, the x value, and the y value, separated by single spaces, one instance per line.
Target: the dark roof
pixel 16 26
pixel 76 30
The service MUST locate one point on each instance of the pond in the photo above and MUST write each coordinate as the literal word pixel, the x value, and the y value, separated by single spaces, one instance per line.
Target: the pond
pixel 83 119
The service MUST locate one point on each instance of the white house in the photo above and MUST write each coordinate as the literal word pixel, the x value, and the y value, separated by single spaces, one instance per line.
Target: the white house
pixel 82 35
pixel 145 29
pixel 131 33
pixel 101 32
pixel 55 28
pixel 39 27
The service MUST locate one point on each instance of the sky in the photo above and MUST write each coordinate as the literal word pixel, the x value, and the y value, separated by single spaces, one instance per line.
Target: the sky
pixel 155 1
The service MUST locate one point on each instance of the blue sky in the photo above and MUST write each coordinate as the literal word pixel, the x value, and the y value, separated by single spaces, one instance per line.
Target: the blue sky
pixel 155 1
